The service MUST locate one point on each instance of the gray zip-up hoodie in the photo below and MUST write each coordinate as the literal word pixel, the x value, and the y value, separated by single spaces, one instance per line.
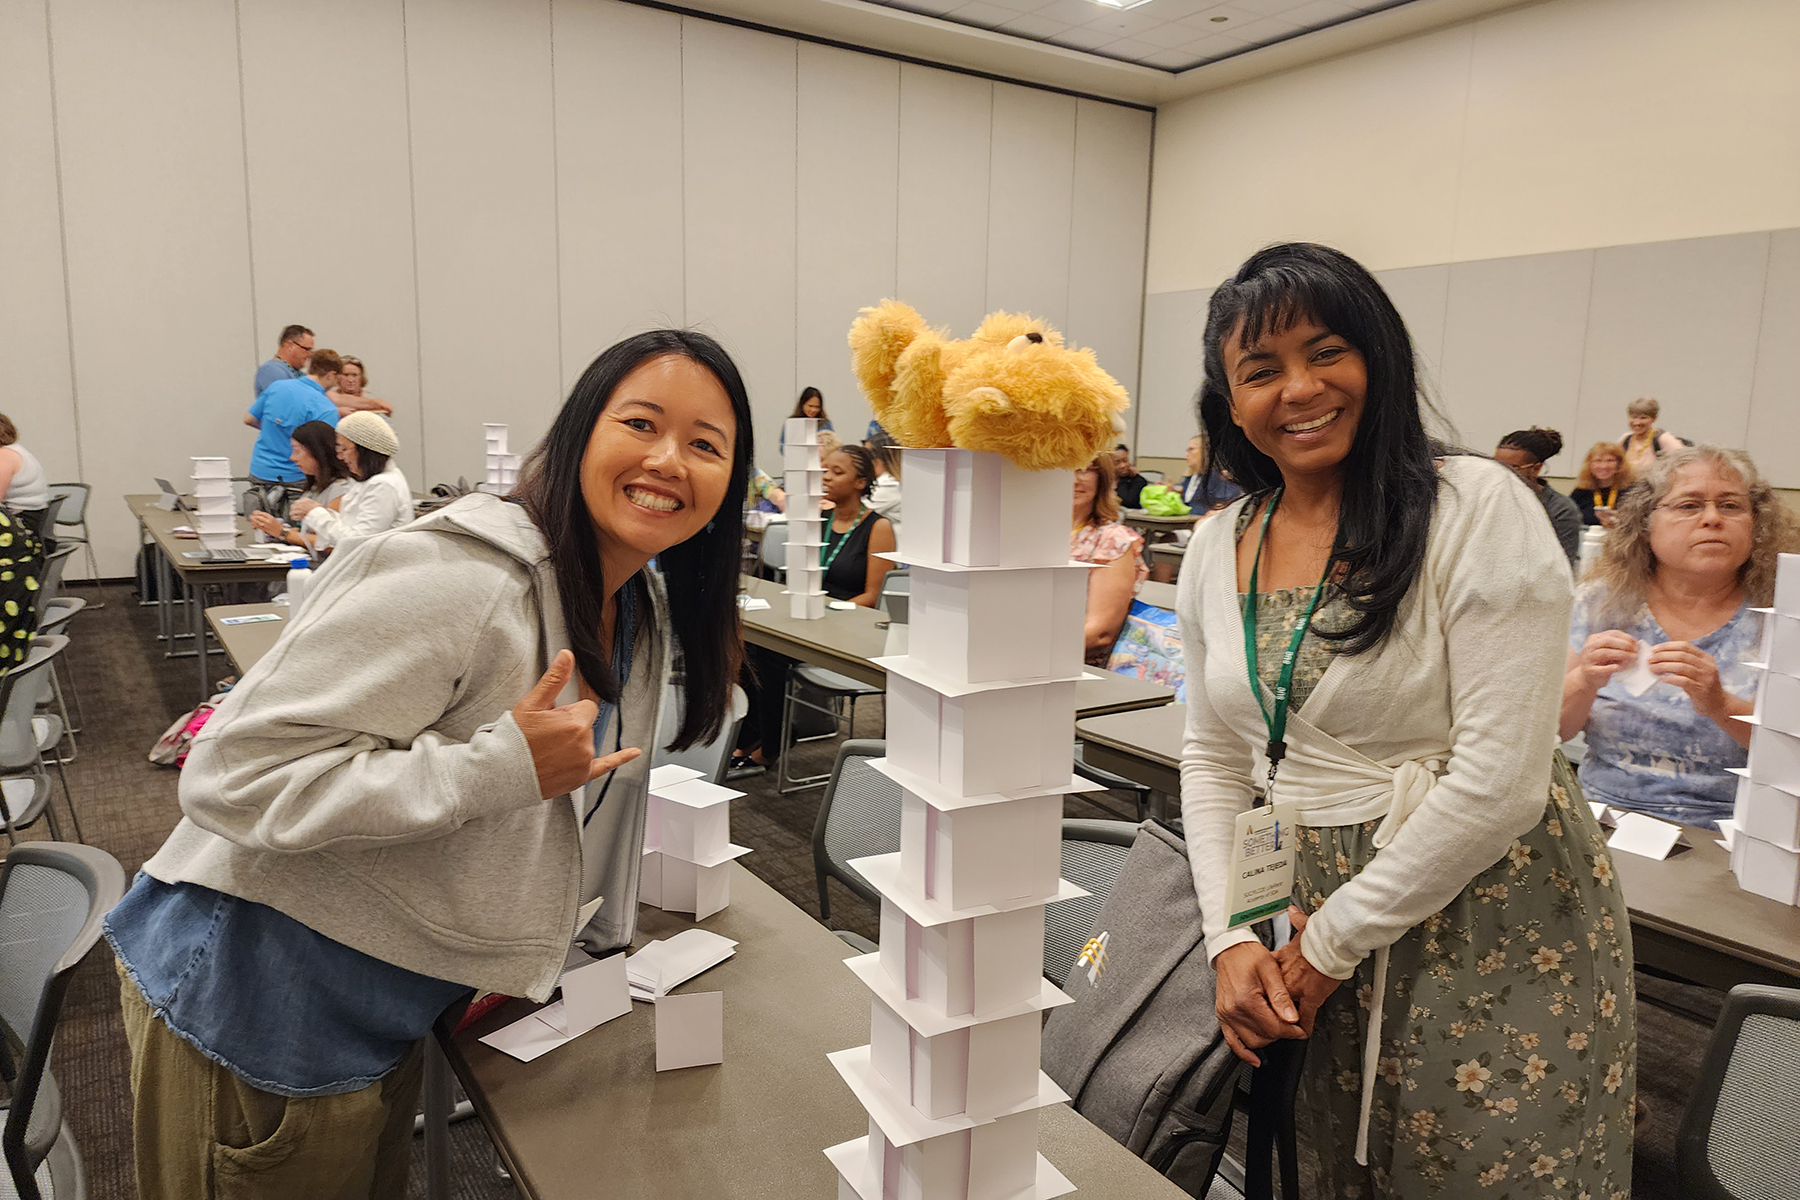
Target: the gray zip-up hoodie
pixel 367 778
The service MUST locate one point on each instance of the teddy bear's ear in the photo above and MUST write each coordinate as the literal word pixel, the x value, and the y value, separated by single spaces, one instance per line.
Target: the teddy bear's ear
pixel 1001 328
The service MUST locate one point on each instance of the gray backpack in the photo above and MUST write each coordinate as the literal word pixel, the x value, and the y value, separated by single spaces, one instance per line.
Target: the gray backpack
pixel 1139 1052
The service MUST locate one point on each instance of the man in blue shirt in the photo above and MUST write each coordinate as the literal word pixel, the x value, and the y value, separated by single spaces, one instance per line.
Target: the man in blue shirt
pixel 290 356
pixel 283 407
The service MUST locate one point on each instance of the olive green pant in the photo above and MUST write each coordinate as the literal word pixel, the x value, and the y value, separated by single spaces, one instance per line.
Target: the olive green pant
pixel 201 1133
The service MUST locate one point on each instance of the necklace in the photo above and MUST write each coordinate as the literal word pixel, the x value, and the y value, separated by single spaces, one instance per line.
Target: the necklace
pixel 835 541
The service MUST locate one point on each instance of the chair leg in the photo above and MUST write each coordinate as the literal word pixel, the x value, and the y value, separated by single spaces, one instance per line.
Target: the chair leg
pixel 68 799
pixel 73 693
pixel 56 690
pixel 93 564
pixel 787 727
pixel 437 1121
pixel 824 899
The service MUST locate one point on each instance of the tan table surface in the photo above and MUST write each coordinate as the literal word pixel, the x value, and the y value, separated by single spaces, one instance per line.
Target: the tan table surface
pixel 594 1118
pixel 844 640
pixel 245 644
pixel 161 525
pixel 1688 915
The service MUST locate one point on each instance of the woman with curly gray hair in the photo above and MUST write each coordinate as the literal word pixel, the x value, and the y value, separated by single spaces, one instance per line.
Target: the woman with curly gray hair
pixel 1662 633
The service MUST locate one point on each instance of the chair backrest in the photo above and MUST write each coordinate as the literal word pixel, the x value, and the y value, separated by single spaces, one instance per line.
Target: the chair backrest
pixel 20 690
pixel 774 549
pixel 53 896
pixel 50 577
pixel 712 758
pixel 1740 1134
pixel 74 502
pixel 1093 853
pixel 859 816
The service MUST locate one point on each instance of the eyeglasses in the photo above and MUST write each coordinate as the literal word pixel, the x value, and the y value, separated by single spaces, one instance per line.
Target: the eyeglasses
pixel 1692 508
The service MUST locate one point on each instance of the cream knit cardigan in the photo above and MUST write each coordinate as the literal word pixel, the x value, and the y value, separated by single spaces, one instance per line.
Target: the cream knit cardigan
pixel 1449 725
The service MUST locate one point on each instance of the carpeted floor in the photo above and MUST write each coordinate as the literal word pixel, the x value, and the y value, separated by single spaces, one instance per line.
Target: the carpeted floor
pixel 130 694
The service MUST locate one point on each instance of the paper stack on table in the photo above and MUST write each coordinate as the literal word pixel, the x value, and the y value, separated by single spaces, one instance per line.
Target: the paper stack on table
pixel 805 485
pixel 593 993
pixel 213 506
pixel 687 843
pixel 979 717
pixel 671 962
pixel 502 468
pixel 1765 841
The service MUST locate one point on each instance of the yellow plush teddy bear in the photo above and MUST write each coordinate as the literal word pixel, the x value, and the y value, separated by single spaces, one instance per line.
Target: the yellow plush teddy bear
pixel 1013 389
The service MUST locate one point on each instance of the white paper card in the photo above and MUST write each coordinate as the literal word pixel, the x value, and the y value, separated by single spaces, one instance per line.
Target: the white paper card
pixel 594 994
pixel 690 1030
pixel 671 962
pixel 1638 678
pixel 527 1038
pixel 1645 835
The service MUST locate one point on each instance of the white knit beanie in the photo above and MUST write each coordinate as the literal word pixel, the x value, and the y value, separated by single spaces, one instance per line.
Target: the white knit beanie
pixel 370 432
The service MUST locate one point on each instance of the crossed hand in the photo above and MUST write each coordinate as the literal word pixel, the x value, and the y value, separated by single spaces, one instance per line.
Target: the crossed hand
pixel 561 737
pixel 1262 997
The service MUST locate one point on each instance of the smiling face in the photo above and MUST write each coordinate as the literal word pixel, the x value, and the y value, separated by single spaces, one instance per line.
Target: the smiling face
pixel 658 461
pixel 1298 395
pixel 842 484
pixel 350 379
pixel 1087 486
pixel 302 458
pixel 1642 423
pixel 1605 468
pixel 1689 533
pixel 814 407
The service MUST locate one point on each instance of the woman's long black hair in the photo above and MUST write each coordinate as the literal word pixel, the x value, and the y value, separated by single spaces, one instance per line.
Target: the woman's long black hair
pixel 1390 479
pixel 702 572
pixel 320 441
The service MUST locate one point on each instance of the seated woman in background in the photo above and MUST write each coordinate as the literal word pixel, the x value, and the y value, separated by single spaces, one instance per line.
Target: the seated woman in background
pixel 1526 451
pixel 378 501
pixel 1201 490
pixel 22 485
pixel 810 404
pixel 854 538
pixel 1096 536
pixel 348 394
pixel 1692 550
pixel 313 448
pixel 764 490
pixel 1603 476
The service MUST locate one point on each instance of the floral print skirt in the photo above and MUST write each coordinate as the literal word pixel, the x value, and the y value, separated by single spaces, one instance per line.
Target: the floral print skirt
pixel 1509 1036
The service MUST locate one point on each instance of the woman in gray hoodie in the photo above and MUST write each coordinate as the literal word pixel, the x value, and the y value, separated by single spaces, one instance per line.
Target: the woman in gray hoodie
pixel 430 786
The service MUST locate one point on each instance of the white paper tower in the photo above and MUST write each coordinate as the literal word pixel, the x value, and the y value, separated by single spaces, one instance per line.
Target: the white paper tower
pixel 687 843
pixel 1765 847
pixel 980 719
pixel 502 468
pixel 805 487
pixel 213 507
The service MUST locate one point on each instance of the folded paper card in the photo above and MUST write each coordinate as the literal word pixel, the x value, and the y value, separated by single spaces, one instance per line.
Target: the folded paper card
pixel 690 1030
pixel 594 993
pixel 1637 833
pixel 671 962
pixel 1638 678
pixel 1768 813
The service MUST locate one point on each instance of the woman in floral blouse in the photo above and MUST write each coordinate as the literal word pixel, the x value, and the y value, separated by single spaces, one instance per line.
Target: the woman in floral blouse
pixel 1097 536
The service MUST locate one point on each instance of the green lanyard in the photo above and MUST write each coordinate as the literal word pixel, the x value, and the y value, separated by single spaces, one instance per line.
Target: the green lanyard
pixel 1275 719
pixel 834 542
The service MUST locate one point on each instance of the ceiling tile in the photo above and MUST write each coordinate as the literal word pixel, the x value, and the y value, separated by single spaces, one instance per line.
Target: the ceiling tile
pixel 1316 14
pixel 1070 12
pixel 980 12
pixel 1124 24
pixel 1167 37
pixel 1170 60
pixel 1018 6
pixel 1270 8
pixel 1128 48
pixel 1084 39
pixel 1033 26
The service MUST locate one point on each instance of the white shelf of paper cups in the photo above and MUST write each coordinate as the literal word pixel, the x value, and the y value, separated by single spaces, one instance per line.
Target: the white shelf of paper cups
pixel 687 843
pixel 213 507
pixel 980 737
pixel 1765 843
pixel 805 486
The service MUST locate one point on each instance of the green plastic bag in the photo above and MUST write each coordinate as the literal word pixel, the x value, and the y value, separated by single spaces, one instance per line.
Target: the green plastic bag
pixel 1160 500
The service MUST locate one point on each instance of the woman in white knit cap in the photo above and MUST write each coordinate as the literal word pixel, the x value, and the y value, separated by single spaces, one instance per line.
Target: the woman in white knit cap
pixel 378 501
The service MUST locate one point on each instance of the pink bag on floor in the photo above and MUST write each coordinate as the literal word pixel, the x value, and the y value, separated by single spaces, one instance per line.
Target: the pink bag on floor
pixel 171 748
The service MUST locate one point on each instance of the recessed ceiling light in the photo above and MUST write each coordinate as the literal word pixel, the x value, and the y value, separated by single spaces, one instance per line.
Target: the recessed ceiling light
pixel 1120 5
pixel 1217 20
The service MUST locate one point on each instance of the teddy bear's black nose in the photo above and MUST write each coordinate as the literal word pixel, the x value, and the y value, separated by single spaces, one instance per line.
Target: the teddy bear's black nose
pixel 1034 338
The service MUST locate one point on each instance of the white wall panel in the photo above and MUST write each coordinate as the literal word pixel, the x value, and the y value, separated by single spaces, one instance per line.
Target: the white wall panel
pixel 1419 293
pixel 1031 191
pixel 849 213
pixel 1678 321
pixel 738 146
pixel 618 163
pixel 1166 416
pixel 1774 436
pixel 483 161
pixel 945 135
pixel 1106 242
pixel 1514 332
pixel 154 207
pixel 331 235
pixel 34 327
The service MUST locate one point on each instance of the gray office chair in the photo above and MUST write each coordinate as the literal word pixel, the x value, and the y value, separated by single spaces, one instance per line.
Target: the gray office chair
pixel 897 582
pixel 710 760
pixel 55 618
pixel 26 744
pixel 859 816
pixel 820 695
pixel 1139 792
pixel 53 897
pixel 1740 1134
pixel 1093 854
pixel 773 555
pixel 72 515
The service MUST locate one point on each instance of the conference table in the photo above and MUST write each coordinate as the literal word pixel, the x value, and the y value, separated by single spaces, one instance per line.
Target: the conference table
pixel 246 631
pixel 156 528
pixel 1689 918
pixel 594 1118
pixel 845 640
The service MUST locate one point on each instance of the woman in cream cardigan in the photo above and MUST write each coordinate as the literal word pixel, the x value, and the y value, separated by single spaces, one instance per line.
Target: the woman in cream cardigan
pixel 1461 962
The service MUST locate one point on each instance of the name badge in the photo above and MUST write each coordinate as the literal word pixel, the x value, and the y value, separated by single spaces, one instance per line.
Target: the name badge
pixel 1262 864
